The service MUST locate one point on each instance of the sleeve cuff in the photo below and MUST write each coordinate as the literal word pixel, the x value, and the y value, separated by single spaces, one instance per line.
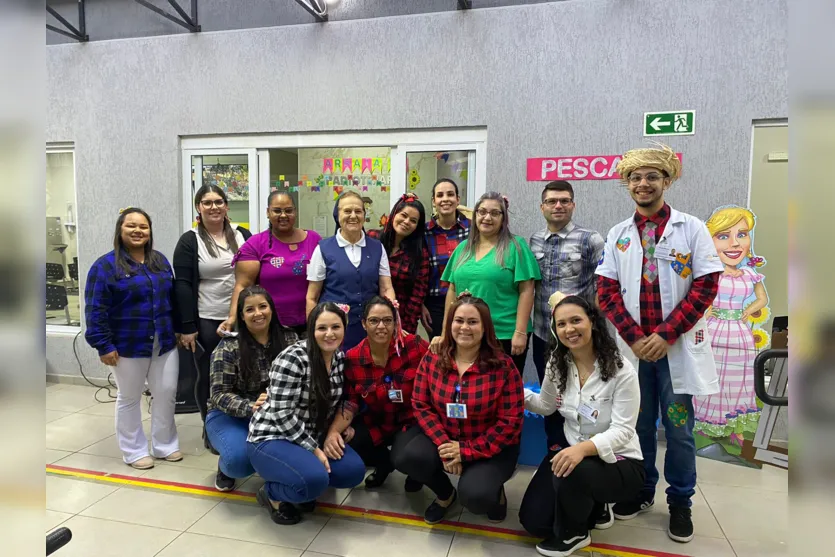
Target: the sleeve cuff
pixel 106 349
pixel 465 450
pixel 604 450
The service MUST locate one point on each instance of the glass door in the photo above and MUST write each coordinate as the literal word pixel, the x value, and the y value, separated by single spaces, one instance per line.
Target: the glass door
pixel 419 167
pixel 232 170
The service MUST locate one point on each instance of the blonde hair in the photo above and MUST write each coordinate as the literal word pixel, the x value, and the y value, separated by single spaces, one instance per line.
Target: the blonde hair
pixel 660 156
pixel 725 217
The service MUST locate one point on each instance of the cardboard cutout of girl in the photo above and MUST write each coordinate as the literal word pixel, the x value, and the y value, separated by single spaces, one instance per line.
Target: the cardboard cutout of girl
pixel 734 322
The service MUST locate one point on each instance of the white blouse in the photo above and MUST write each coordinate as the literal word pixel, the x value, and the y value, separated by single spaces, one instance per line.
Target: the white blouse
pixel 316 270
pixel 616 403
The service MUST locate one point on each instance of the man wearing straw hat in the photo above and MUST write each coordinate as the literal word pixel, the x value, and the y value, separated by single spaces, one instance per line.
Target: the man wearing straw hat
pixel 658 275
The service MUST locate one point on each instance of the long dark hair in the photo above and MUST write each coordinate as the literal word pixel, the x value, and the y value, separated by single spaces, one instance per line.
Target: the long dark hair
pixel 228 231
pixel 505 236
pixel 609 359
pixel 273 195
pixel 248 347
pixel 491 349
pixel 153 261
pixel 413 244
pixel 320 381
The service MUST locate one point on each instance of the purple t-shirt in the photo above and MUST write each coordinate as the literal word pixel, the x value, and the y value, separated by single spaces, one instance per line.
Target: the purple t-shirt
pixel 283 272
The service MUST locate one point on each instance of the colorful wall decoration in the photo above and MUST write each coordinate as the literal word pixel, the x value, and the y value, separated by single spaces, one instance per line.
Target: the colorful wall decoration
pixel 724 421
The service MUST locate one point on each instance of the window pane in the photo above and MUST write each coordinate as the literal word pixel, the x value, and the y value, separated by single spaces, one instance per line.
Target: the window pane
pixel 62 296
pixel 231 174
pixel 423 169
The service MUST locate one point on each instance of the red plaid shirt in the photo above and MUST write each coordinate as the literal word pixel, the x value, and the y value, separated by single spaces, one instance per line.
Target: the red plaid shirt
pixel 680 320
pixel 410 293
pixel 441 244
pixel 495 406
pixel 366 385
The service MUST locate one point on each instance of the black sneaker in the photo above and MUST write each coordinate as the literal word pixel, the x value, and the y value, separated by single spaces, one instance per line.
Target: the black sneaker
pixel 224 482
pixel 412 485
pixel 500 512
pixel 605 519
pixel 556 547
pixel 681 524
pixel 435 513
pixel 308 507
pixel 376 478
pixel 631 509
pixel 286 514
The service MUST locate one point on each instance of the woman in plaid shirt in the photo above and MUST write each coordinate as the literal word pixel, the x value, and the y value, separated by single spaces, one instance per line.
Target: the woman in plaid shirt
pixel 239 378
pixel 468 403
pixel 131 319
pixel 288 432
pixel 403 238
pixel 380 375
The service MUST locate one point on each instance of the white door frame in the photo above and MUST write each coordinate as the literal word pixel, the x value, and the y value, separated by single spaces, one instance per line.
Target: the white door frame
pixel 400 142
pixel 254 190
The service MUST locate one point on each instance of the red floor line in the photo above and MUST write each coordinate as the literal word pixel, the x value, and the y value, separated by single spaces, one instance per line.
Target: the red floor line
pixel 479 527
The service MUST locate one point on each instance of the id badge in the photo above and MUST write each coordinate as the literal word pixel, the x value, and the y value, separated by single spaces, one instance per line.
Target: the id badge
pixel 456 410
pixel 395 395
pixel 588 412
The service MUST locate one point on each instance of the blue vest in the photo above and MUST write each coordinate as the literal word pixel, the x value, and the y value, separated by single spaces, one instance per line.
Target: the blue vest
pixel 351 285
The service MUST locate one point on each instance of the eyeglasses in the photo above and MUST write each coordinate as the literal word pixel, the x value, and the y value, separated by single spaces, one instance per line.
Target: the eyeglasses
pixel 375 321
pixel 553 202
pixel 636 179
pixel 495 213
pixel 289 211
pixel 209 203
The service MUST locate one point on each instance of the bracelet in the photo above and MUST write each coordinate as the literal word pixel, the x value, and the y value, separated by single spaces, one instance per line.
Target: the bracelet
pixel 523 333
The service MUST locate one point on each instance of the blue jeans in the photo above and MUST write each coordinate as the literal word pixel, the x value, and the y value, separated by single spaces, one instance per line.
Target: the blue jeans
pixel 677 417
pixel 228 436
pixel 294 474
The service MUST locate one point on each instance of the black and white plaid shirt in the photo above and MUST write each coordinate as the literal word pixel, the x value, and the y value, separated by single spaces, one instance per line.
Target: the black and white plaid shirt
pixel 288 414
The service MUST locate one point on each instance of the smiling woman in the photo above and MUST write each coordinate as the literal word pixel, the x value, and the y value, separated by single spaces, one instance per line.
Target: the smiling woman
pixel 349 267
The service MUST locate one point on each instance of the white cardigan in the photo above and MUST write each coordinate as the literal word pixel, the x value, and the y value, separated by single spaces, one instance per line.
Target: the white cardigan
pixel 617 402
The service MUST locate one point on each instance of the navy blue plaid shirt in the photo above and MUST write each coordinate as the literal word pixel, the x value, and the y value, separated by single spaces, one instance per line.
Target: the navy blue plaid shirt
pixel 125 311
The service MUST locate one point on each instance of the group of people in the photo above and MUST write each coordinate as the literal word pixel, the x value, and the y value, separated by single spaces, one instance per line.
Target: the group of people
pixel 310 367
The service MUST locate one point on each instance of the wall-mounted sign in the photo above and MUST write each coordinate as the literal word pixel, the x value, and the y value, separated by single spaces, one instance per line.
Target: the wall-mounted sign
pixel 589 167
pixel 681 122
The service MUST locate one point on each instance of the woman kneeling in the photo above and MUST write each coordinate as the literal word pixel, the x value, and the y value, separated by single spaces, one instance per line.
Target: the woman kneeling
pixel 596 391
pixel 240 374
pixel 468 402
pixel 287 432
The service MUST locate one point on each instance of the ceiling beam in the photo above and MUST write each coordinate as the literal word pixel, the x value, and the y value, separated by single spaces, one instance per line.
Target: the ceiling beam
pixel 320 17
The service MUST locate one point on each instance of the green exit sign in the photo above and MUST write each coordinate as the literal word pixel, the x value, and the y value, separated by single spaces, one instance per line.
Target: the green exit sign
pixel 680 122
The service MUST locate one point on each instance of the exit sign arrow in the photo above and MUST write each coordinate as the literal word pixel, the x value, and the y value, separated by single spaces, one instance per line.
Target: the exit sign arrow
pixel 679 122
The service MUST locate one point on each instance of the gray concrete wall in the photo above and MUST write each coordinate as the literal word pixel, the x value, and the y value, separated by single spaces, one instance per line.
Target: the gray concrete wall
pixel 567 78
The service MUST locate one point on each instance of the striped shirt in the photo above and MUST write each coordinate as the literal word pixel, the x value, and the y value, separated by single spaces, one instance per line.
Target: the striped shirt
pixel 567 261
pixel 289 412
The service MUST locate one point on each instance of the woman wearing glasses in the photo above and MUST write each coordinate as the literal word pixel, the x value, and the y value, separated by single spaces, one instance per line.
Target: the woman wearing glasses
pixel 380 374
pixel 205 279
pixel 500 268
pixel 277 260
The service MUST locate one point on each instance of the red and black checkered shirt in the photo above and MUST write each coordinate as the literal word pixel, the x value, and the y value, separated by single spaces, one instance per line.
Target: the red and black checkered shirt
pixel 680 320
pixel 367 385
pixel 495 406
pixel 410 293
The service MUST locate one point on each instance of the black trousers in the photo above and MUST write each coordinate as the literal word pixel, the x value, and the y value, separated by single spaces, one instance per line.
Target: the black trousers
pixel 435 305
pixel 520 359
pixel 481 482
pixel 565 506
pixel 554 423
pixel 209 339
pixel 374 456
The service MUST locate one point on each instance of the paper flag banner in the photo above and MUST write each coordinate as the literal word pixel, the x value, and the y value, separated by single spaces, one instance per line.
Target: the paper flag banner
pixel 294 188
pixel 335 195
pixel 286 184
pixel 356 182
pixel 304 177
pixel 377 164
pixel 337 165
pixel 346 165
pixel 338 189
pixel 358 165
pixel 300 182
pixel 350 176
pixel 445 156
pixel 365 188
pixel 366 166
pixel 327 166
pixel 388 165
pixel 373 176
pixel 309 183
pixel 383 188
pixel 272 189
pixel 463 174
pixel 281 178
pixel 330 182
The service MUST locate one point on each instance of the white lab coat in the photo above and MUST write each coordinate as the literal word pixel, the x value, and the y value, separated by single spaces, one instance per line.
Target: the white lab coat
pixel 683 253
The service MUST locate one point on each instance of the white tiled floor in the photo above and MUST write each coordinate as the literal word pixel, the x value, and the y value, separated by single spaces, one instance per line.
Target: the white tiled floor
pixel 737 511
